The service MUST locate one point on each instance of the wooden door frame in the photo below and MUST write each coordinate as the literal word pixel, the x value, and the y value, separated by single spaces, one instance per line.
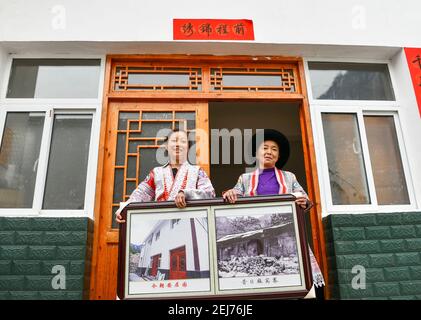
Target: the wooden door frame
pixel 106 237
pixel 206 96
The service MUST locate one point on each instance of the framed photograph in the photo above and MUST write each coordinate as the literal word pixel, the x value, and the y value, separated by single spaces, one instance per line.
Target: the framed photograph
pixel 258 249
pixel 211 249
pixel 166 253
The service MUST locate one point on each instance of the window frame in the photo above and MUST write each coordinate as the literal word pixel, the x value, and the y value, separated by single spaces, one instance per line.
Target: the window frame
pixel 174 222
pixel 367 103
pixel 359 108
pixel 52 107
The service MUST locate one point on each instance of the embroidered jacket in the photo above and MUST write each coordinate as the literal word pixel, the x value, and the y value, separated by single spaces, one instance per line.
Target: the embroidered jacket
pixel 248 182
pixel 247 186
pixel 161 185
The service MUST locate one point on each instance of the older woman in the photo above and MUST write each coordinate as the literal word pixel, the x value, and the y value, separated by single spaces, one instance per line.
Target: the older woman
pixel 270 179
pixel 176 181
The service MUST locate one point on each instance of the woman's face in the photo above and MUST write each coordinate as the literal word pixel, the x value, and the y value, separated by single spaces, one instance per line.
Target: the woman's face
pixel 178 147
pixel 268 154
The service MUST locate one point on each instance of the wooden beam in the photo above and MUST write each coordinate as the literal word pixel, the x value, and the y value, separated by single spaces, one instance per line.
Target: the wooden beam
pixel 98 220
pixel 312 179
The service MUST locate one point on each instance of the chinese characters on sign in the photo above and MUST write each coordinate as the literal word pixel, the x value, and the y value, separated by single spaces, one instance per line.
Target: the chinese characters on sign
pixel 413 57
pixel 266 280
pixel 212 29
pixel 176 284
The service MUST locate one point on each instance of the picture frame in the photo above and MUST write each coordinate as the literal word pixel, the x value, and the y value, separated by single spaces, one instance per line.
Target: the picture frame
pixel 256 248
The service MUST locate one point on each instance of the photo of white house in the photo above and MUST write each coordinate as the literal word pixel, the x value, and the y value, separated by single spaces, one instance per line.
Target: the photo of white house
pixel 171 249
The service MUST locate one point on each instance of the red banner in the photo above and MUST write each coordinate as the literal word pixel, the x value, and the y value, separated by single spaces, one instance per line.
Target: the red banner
pixel 212 29
pixel 413 57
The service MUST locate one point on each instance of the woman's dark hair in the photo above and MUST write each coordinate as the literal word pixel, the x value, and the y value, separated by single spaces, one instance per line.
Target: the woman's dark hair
pixel 171 132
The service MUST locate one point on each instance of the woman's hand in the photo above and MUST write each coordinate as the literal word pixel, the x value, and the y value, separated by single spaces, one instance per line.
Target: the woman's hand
pixel 230 195
pixel 301 199
pixel 180 200
pixel 118 216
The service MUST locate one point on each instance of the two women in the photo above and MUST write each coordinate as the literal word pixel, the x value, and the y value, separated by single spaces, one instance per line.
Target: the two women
pixel 179 180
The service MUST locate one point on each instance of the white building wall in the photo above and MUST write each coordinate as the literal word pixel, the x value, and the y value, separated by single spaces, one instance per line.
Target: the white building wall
pixel 171 239
pixel 410 118
pixel 145 256
pixel 350 22
pixel 202 243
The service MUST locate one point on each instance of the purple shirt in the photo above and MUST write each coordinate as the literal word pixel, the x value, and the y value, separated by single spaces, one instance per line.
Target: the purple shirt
pixel 268 184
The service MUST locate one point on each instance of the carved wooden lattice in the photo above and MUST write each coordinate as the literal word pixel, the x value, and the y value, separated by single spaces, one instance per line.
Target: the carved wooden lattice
pixel 157 78
pixel 253 79
pixel 139 136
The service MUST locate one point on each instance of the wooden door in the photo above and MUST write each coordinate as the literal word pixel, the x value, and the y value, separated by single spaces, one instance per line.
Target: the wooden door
pixel 155 265
pixel 178 263
pixel 131 143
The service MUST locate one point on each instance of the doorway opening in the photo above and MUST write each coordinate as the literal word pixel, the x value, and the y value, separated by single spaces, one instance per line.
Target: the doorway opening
pixel 239 116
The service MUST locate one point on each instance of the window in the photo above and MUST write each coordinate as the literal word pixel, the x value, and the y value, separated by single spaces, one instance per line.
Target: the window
pixel 157 78
pixel 362 156
pixel 69 149
pixel 135 159
pixel 19 154
pixel 350 81
pixel 46 148
pixel 386 160
pixel 54 78
pixel 182 263
pixel 253 79
pixel 157 235
pixel 66 167
pixel 346 165
pixel 174 222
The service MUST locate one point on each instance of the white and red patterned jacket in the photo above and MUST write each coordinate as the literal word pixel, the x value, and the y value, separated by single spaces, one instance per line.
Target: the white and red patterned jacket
pixel 161 185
